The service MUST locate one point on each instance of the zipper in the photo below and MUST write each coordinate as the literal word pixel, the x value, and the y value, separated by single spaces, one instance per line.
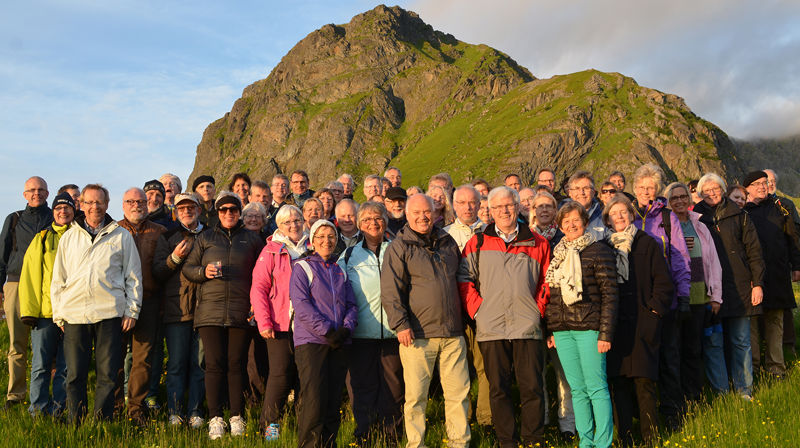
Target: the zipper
pixel 333 295
pixel 228 235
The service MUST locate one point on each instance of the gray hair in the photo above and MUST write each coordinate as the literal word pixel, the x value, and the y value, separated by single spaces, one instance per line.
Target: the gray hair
pixel 652 171
pixel 258 207
pixel 374 207
pixel 470 188
pixel 173 178
pixel 285 212
pixel 546 194
pixel 618 198
pixel 392 168
pixel 334 184
pixel 671 187
pixel 135 189
pixel 503 191
pixel 710 177
pixel 372 177
pixel 348 177
pixel 344 202
pixel 771 171
pixel 444 177
pixel 582 174
pixel 261 185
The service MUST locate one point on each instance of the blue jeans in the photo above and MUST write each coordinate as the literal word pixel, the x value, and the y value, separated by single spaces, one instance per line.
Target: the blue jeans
pixel 738 353
pixel 585 369
pixel 714 356
pixel 184 368
pixel 47 345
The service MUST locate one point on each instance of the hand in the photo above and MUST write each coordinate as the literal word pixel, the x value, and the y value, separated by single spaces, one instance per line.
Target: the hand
pixel 603 346
pixel 29 321
pixel 269 333
pixel 332 337
pixel 551 342
pixel 796 276
pixel 211 271
pixel 715 306
pixel 406 337
pixel 182 249
pixel 128 323
pixel 684 311
pixel 757 295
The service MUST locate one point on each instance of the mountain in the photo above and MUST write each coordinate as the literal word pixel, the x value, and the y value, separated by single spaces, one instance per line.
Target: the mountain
pixel 387 89
pixel 779 154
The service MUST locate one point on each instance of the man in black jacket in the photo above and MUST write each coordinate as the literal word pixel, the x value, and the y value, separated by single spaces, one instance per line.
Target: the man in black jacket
pixel 18 230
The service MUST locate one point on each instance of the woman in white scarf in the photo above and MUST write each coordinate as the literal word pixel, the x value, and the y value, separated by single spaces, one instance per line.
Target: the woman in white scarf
pixel 581 315
pixel 645 294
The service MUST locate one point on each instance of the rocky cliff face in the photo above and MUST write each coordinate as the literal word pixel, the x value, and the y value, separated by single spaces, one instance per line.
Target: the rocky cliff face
pixel 387 89
pixel 779 154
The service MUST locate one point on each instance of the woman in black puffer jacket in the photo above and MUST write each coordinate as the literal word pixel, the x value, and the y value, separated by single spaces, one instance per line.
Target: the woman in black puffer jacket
pixel 223 307
pixel 581 315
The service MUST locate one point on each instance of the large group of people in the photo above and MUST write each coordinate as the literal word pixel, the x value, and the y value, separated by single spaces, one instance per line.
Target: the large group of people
pixel 283 297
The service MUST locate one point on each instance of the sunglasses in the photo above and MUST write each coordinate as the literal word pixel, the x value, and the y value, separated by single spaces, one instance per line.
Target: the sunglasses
pixel 225 210
pixel 605 191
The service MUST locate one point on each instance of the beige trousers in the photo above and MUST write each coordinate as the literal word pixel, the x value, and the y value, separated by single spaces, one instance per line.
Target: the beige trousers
pixel 19 336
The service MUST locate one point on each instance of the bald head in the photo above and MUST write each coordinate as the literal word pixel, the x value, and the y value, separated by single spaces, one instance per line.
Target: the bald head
pixel 419 209
pixel 35 191
pixel 466 202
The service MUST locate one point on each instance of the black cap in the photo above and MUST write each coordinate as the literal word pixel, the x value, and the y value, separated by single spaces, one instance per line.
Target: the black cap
pixel 396 194
pixel 64 198
pixel 752 177
pixel 154 185
pixel 228 199
pixel 201 179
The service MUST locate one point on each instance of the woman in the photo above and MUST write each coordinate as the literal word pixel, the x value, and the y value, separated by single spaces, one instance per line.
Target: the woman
pixel 312 211
pixel 739 251
pixel 442 210
pixel 240 184
pixel 544 216
pixel 411 191
pixel 269 297
pixel 483 211
pixel 325 316
pixel 645 295
pixel 607 191
pixel 254 217
pixel 581 316
pixel 376 374
pixel 222 261
pixel 705 299
pixel 328 203
pixel 737 194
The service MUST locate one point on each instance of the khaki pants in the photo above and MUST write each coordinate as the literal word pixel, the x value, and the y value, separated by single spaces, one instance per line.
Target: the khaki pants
pixel 773 341
pixel 418 363
pixel 19 336
pixel 483 411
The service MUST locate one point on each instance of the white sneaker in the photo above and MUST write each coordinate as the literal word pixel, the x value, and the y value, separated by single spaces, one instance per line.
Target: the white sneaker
pixel 175 420
pixel 196 422
pixel 237 426
pixel 216 428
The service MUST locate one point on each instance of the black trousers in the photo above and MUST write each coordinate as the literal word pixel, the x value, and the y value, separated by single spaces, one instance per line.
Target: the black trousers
pixel 282 376
pixel 669 368
pixel 106 336
pixel 377 388
pixel 256 367
pixel 322 371
pixel 692 371
pixel 622 394
pixel 525 357
pixel 225 351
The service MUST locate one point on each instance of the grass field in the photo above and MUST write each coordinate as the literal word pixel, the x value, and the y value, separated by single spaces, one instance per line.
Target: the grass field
pixel 727 421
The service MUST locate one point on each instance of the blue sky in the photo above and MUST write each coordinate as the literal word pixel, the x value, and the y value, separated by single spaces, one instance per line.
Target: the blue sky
pixel 120 92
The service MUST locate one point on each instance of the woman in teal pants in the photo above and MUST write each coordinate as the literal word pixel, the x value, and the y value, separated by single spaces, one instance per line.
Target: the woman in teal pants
pixel 581 315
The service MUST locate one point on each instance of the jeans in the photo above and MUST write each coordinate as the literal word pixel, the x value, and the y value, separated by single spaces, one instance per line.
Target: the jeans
pixel 184 368
pixel 585 368
pixel 106 336
pixel 47 345
pixel 322 371
pixel 738 353
pixel 714 353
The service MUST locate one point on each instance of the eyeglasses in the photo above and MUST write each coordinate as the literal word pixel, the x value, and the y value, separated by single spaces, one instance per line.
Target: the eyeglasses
pixel 607 191
pixel 504 207
pixel 36 190
pixel 132 202
pixel 185 208
pixel 225 210
pixel 680 197
pixel 584 189
pixel 294 222
pixel 712 190
pixel 88 204
pixel 376 220
pixel 762 183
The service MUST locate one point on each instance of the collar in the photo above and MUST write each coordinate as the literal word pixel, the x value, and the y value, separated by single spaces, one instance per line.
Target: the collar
pixel 507 237
pixel 196 230
pixel 475 225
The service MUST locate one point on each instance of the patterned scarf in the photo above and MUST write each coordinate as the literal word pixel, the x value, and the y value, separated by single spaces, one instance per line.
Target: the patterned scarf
pixel 565 268
pixel 548 232
pixel 623 241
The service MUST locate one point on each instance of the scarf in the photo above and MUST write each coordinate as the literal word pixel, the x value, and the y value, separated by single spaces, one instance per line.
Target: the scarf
pixel 623 241
pixel 548 232
pixel 565 268
pixel 295 250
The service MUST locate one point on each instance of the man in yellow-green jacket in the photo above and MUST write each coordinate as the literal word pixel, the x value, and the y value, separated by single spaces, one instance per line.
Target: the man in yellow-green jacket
pixel 36 311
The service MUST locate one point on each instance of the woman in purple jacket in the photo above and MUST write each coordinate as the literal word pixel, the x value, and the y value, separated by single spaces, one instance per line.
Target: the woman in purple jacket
pixel 325 315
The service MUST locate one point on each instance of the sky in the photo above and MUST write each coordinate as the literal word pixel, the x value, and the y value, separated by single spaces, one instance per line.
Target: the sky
pixel 120 92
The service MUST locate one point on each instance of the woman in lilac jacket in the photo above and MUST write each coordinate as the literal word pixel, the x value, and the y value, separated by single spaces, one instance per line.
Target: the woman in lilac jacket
pixel 325 315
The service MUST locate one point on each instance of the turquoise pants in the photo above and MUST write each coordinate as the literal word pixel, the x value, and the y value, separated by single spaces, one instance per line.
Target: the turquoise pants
pixel 585 369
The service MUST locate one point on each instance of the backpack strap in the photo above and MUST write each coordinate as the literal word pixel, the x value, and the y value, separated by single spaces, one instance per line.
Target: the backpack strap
pixel 666 224
pixel 347 254
pixel 478 261
pixel 304 264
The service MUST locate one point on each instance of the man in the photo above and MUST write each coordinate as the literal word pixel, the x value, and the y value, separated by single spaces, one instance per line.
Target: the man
pixel 299 186
pixel 502 273
pixel 280 191
pixel 482 186
pixel 547 177
pixel 526 204
pixel 466 202
pixel 75 193
pixel 349 185
pixel 19 229
pixel 346 214
pixel 420 296
pixel 36 311
pixel 442 180
pixel 204 187
pixel 260 192
pixel 395 203
pixel 618 179
pixel 172 186
pixel 581 189
pixel 337 190
pixel 372 186
pixel 240 184
pixel 157 211
pixel 394 175
pixel 776 233
pixel 185 362
pixel 145 336
pixel 513 181
pixel 96 293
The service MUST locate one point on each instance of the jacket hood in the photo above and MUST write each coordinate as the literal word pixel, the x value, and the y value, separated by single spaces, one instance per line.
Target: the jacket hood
pixel 653 208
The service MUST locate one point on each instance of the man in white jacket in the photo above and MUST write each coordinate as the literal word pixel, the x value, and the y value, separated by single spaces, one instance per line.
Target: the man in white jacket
pixel 96 294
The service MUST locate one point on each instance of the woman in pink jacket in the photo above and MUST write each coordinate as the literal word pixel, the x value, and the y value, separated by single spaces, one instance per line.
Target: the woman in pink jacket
pixel 701 334
pixel 269 297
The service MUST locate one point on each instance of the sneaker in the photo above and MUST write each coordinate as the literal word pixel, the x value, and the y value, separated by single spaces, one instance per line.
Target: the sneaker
pixel 746 397
pixel 237 426
pixel 196 422
pixel 152 403
pixel 272 432
pixel 216 428
pixel 175 420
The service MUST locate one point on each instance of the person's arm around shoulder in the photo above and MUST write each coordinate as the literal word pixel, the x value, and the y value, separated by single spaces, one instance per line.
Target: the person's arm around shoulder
pixel 132 273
